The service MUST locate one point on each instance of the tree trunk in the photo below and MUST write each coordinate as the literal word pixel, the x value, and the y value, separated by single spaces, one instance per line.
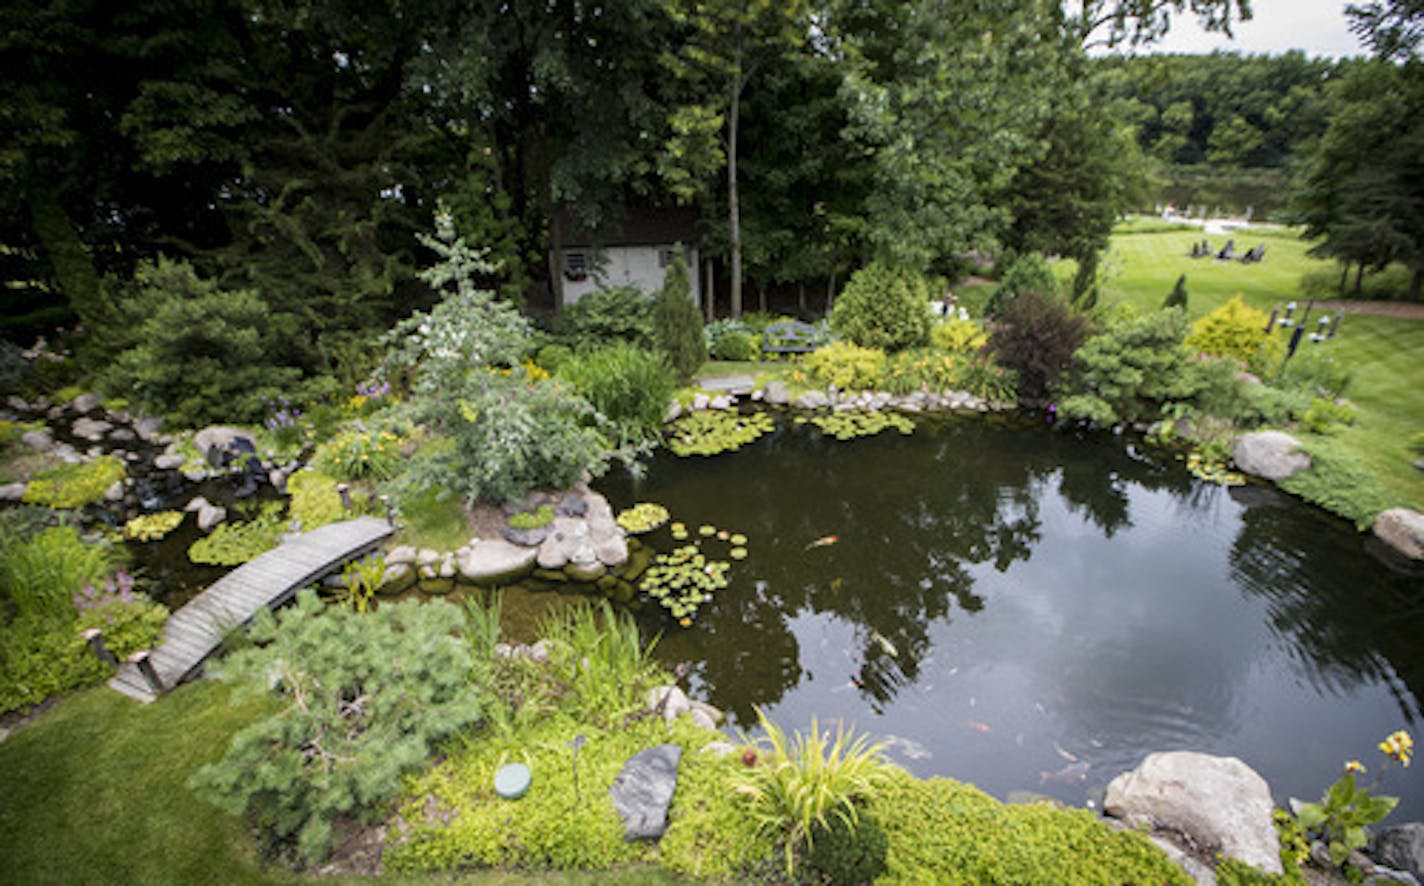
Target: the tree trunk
pixel 1359 278
pixel 801 297
pixel 556 262
pixel 1416 284
pixel 710 292
pixel 734 214
pixel 1344 276
pixel 761 296
pixel 830 293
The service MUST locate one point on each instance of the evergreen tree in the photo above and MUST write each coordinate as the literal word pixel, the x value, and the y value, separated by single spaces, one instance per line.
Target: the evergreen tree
pixel 677 324
pixel 1177 298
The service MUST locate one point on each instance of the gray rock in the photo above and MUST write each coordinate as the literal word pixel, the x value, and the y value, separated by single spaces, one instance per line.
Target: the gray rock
pixel 148 427
pixel 611 549
pixel 91 429
pixel 216 442
pixel 673 412
pixel 447 566
pixel 1419 465
pixel 757 395
pixel 528 538
pixel 401 554
pixel 115 492
pixel 39 440
pixel 13 491
pixel 210 515
pixel 670 700
pixel 721 401
pixel 1403 530
pixel 568 536
pixel 495 561
pixel 17 403
pixel 701 720
pixel 573 505
pixel 195 475
pixel 1272 455
pixel 776 393
pixel 84 403
pixel 1401 847
pixel 167 462
pixel 813 400
pixel 196 503
pixel 122 435
pixel 643 789
pixel 708 711
pixel 719 748
pixel 539 652
pixel 1201 873
pixel 427 557
pixel 699 401
pixel 397 578
pixel 67 453
pixel 1220 802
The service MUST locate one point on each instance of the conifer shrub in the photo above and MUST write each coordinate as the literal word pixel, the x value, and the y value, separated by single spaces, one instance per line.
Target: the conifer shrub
pixel 677 324
pixel 886 308
pixel 1035 335
pixel 363 699
pixel 1130 370
pixel 1177 298
pixel 1238 332
pixel 605 316
pixel 1027 273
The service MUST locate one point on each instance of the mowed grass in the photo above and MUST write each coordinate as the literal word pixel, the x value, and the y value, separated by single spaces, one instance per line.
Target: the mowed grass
pixel 1387 383
pixel 94 791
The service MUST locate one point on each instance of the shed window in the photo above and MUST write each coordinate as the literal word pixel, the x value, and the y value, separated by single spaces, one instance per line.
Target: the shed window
pixel 666 254
pixel 576 265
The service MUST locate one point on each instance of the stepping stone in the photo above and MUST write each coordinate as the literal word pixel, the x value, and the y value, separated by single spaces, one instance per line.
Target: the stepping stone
pixel 643 791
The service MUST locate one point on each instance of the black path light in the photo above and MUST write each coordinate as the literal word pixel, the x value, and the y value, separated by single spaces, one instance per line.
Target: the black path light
pixel 1325 329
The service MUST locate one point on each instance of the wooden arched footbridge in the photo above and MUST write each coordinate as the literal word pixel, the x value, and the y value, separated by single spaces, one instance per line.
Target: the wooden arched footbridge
pixel 194 632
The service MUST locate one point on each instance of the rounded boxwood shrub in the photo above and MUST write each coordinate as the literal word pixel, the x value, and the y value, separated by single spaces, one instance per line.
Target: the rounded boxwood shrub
pixel 884 308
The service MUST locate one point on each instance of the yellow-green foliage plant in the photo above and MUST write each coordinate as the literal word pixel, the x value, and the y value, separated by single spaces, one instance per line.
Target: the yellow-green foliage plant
pixel 315 501
pixel 151 527
pixel 232 544
pixel 801 782
pixel 959 336
pixel 845 365
pixel 712 431
pixel 74 486
pixel 1236 331
pixel 942 831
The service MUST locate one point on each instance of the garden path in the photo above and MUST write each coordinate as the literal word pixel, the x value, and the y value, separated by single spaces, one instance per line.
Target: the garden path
pixel 196 631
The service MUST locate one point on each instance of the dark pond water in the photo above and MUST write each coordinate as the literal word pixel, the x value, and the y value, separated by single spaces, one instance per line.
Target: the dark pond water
pixel 1003 598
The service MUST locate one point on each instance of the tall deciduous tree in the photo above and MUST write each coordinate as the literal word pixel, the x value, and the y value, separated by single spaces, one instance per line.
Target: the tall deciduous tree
pixel 1362 189
pixel 724 45
pixel 1391 28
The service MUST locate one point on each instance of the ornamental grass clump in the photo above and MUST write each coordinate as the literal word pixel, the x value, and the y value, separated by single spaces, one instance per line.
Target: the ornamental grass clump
pixel 802 782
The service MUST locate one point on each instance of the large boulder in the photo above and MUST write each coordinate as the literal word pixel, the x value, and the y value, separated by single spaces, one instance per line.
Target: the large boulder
pixel 1403 530
pixel 777 393
pixel 1401 847
pixel 643 789
pixel 492 561
pixel 1222 804
pixel 1272 455
pixel 220 445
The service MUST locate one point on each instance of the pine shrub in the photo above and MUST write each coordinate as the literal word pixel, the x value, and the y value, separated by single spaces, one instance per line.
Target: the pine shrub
pixel 677 324
pixel 884 308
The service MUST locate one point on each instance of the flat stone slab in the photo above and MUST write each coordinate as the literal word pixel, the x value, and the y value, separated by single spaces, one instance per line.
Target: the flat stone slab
pixel 494 560
pixel 643 789
pixel 728 384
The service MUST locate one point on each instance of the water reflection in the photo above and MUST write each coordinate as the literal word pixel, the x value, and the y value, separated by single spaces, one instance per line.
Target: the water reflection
pixel 1037 610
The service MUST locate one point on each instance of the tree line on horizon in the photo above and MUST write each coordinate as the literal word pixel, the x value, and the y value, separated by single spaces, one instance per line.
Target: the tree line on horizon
pixel 295 152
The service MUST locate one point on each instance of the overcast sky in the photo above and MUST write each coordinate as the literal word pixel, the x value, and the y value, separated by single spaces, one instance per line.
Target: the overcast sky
pixel 1316 26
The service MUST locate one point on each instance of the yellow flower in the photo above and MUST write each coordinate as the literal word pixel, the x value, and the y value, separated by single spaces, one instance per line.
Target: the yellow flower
pixel 1354 766
pixel 1398 746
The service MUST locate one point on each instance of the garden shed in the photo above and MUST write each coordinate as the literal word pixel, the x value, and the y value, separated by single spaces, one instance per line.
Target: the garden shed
pixel 633 250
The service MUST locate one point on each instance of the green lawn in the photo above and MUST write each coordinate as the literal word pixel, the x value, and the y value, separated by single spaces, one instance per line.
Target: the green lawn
pixel 1388 381
pixel 95 791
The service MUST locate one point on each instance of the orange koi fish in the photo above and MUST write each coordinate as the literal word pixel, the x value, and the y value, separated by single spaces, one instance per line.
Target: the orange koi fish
pixel 823 541
pixel 980 727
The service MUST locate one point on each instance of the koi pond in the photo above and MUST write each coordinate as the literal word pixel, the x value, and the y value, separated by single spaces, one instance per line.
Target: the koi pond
pixel 1035 610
